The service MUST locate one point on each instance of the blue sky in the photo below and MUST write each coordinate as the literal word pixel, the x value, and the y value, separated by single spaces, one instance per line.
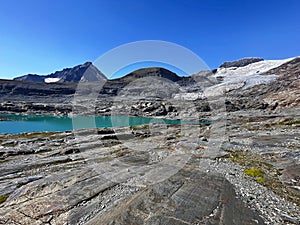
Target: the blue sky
pixel 42 36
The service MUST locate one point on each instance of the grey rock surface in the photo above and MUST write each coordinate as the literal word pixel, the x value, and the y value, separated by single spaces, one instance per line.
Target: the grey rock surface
pixel 189 197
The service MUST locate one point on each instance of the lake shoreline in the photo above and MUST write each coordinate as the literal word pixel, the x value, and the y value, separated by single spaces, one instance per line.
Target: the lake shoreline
pixel 40 123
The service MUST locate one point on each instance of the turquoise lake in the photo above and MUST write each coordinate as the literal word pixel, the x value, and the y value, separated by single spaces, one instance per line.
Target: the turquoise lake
pixel 14 124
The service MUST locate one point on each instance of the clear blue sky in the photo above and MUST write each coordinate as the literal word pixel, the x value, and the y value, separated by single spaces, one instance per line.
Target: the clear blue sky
pixel 42 36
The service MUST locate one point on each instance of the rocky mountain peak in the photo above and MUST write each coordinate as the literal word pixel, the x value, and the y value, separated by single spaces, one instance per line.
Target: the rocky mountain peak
pixel 87 63
pixel 83 72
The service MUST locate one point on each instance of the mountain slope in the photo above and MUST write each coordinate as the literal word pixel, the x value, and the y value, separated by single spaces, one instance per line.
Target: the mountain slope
pixel 150 72
pixel 285 90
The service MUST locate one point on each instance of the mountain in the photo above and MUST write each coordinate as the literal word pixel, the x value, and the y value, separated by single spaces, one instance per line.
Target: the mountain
pixel 246 83
pixel 85 72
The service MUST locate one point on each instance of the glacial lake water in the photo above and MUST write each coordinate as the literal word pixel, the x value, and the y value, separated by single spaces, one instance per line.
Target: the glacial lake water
pixel 14 124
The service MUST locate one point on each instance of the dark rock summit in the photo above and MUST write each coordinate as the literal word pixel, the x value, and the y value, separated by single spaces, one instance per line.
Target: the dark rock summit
pixel 151 72
pixel 240 62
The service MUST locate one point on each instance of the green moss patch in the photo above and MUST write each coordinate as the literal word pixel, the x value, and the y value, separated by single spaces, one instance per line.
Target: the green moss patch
pixel 3 198
pixel 253 172
pixel 264 173
pixel 260 180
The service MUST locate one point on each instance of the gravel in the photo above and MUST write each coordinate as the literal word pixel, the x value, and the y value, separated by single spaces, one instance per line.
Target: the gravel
pixel 272 208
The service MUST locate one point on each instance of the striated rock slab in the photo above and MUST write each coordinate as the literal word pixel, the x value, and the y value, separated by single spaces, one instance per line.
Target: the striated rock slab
pixel 189 197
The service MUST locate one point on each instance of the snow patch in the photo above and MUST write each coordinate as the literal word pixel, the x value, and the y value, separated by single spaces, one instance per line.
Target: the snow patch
pixel 189 96
pixel 51 80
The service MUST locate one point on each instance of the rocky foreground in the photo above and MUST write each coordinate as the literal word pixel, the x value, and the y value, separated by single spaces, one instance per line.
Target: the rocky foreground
pixel 156 174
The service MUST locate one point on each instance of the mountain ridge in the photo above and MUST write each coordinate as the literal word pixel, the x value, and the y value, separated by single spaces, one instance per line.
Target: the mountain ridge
pixel 275 85
pixel 88 72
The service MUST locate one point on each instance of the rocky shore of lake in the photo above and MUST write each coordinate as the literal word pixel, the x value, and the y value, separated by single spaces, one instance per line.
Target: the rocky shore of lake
pixel 156 174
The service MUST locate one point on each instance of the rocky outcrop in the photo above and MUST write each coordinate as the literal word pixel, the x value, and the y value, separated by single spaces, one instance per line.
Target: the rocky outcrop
pixel 58 109
pixel 291 68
